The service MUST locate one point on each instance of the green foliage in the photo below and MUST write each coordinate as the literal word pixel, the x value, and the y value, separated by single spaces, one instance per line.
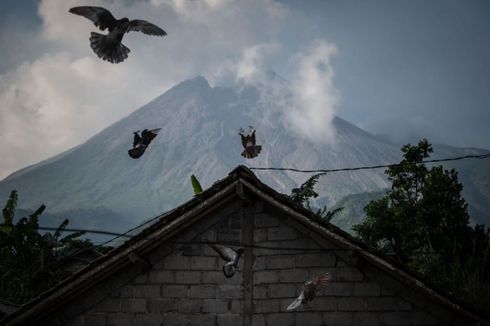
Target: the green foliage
pixel 423 222
pixel 196 186
pixel 29 260
pixel 306 191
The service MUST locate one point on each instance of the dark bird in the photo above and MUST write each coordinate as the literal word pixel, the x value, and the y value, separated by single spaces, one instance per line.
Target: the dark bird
pixel 231 256
pixel 109 47
pixel 140 143
pixel 310 290
pixel 251 150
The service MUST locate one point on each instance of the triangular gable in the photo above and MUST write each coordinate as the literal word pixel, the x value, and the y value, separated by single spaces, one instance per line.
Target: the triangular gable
pixel 227 196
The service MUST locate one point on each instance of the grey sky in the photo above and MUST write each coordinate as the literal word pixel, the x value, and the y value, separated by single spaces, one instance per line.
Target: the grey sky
pixel 403 69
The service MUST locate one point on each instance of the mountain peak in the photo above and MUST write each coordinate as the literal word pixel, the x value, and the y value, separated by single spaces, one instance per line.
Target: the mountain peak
pixel 198 81
pixel 199 136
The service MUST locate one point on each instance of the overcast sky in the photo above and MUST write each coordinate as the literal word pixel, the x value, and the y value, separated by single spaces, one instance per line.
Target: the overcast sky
pixel 401 69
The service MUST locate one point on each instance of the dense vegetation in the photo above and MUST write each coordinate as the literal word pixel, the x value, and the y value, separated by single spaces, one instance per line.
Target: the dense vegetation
pixel 423 222
pixel 306 192
pixel 29 260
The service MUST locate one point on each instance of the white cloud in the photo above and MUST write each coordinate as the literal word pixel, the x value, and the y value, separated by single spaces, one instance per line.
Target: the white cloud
pixel 67 94
pixel 251 68
pixel 308 102
pixel 315 98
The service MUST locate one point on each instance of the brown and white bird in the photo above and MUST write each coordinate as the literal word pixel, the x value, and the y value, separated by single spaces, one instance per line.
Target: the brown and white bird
pixel 251 150
pixel 109 47
pixel 140 143
pixel 231 256
pixel 310 290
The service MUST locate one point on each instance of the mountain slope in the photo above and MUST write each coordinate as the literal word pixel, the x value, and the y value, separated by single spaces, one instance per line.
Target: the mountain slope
pixel 199 136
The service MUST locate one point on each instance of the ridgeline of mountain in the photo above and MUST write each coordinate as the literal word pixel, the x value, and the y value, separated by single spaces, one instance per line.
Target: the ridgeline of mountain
pixel 97 184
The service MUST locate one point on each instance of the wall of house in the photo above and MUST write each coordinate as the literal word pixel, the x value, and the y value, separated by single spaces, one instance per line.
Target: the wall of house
pixel 186 286
pixel 350 299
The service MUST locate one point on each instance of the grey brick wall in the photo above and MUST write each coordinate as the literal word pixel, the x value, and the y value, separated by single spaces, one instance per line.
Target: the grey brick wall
pixel 188 287
pixel 350 299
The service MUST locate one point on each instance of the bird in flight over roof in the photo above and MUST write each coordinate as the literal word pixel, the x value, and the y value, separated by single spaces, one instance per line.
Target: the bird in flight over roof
pixel 109 47
pixel 231 256
pixel 310 290
pixel 251 150
pixel 141 142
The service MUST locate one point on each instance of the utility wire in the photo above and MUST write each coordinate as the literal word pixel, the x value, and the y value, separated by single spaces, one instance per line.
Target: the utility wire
pixel 320 171
pixel 371 167
pixel 226 243
pixel 48 228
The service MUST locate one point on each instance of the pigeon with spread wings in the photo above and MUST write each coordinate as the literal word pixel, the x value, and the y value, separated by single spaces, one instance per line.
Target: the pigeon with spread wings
pixel 109 47
pixel 231 256
pixel 310 290
pixel 141 142
pixel 251 150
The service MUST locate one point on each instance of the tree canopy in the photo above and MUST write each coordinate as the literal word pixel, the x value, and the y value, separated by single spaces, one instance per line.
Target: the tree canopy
pixel 29 260
pixel 306 192
pixel 423 222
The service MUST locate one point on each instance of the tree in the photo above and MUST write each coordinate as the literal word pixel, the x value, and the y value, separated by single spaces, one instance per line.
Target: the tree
pixel 28 259
pixel 423 222
pixel 305 192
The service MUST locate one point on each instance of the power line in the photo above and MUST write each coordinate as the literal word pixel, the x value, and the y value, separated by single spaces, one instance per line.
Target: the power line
pixel 48 228
pixel 226 243
pixel 320 171
pixel 371 167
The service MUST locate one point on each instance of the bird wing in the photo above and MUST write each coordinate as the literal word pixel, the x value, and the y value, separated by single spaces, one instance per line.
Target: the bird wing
pixel 138 25
pixel 136 139
pixel 147 136
pixel 312 287
pixel 155 131
pixel 101 17
pixel 322 280
pixel 226 253
pixel 244 140
pixel 252 137
pixel 296 303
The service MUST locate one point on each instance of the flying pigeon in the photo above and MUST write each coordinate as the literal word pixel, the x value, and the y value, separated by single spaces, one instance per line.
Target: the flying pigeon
pixel 140 143
pixel 109 47
pixel 231 256
pixel 248 141
pixel 310 290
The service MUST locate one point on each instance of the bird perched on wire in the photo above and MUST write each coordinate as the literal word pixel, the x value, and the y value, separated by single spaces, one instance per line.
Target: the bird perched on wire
pixel 141 142
pixel 310 290
pixel 231 256
pixel 109 47
pixel 251 150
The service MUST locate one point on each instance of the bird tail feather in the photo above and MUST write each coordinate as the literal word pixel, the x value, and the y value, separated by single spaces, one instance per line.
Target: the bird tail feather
pixel 229 270
pixel 108 51
pixel 252 151
pixel 137 152
pixel 296 303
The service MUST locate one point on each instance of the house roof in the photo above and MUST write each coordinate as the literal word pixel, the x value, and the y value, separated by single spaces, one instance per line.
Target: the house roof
pixel 7 308
pixel 239 181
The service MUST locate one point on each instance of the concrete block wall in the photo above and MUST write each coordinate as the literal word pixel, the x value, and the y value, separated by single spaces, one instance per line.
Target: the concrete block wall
pixel 188 287
pixel 350 299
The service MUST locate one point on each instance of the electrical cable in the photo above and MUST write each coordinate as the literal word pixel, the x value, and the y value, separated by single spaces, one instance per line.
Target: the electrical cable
pixel 324 171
